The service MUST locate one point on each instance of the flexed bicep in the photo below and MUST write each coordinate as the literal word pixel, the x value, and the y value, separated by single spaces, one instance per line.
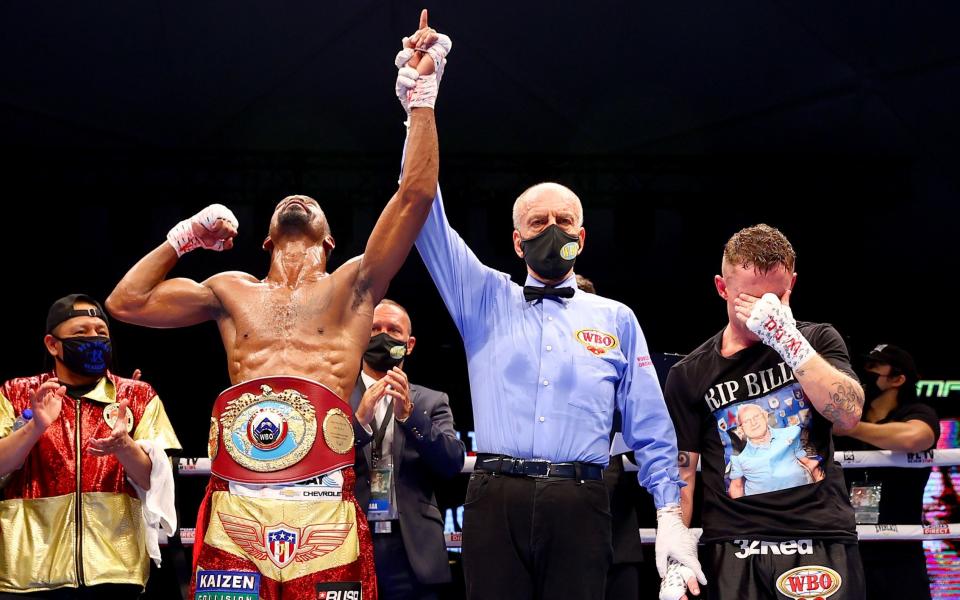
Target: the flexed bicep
pixel 144 297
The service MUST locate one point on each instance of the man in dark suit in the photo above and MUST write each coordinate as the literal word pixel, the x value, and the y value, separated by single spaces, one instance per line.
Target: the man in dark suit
pixel 405 443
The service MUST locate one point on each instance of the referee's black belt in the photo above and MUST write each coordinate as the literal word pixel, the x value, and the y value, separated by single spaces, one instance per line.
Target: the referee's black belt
pixel 541 469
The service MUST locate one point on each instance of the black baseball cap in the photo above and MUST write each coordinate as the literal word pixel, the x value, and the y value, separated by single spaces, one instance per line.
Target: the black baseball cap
pixel 898 359
pixel 63 309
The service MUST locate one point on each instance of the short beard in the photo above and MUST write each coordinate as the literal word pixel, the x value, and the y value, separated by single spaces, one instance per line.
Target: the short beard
pixel 293 221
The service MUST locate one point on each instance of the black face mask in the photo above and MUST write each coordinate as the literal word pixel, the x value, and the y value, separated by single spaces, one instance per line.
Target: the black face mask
pixel 384 352
pixel 871 390
pixel 551 254
pixel 87 355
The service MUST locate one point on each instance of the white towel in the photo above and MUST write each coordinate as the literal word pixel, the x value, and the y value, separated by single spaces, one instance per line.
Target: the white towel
pixel 159 511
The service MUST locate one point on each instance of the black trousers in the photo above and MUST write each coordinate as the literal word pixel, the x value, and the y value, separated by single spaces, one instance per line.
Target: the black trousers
pixel 96 592
pixel 526 538
pixel 395 577
pixel 754 570
pixel 623 582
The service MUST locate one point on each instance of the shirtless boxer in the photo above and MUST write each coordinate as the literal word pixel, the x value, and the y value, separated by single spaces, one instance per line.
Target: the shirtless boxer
pixel 279 519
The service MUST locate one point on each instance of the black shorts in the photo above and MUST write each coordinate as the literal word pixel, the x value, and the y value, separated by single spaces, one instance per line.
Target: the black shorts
pixel 794 570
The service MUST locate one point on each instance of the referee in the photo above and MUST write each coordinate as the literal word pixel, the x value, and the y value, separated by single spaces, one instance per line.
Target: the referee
pixel 548 366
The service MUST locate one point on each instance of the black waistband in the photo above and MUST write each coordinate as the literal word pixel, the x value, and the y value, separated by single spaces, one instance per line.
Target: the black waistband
pixel 507 465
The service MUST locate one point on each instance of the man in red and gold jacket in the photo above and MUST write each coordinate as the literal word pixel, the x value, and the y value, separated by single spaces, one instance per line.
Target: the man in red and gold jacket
pixel 86 477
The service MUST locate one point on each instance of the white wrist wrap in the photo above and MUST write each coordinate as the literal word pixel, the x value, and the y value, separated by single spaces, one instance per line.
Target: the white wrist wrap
pixel 674 584
pixel 774 324
pixel 420 91
pixel 183 238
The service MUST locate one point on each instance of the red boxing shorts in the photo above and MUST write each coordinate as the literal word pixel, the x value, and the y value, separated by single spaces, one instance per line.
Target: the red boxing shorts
pixel 263 531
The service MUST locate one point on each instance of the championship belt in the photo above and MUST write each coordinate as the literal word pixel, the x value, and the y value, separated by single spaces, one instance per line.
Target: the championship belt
pixel 279 430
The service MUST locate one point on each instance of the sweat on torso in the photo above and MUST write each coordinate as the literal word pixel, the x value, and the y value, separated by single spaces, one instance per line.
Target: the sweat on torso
pixel 316 330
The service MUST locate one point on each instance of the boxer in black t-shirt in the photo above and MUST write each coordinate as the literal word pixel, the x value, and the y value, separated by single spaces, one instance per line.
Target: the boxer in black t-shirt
pixel 756 403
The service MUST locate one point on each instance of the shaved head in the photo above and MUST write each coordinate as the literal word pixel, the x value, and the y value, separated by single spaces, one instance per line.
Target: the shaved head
pixel 390 309
pixel 547 189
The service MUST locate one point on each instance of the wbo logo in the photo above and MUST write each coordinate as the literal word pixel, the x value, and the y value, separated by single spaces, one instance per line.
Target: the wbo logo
pixel 267 429
pixel 569 250
pixel 598 342
pixel 812 581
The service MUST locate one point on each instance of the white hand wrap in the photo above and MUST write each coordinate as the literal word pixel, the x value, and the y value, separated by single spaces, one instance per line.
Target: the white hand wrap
pixel 774 324
pixel 676 541
pixel 674 584
pixel 415 90
pixel 182 236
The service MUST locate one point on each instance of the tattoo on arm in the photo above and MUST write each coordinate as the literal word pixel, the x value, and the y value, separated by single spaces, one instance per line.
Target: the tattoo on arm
pixel 845 404
pixel 683 459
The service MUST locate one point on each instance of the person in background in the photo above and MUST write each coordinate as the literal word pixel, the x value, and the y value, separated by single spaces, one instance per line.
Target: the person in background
pixel 623 578
pixel 87 479
pixel 406 444
pixel 893 419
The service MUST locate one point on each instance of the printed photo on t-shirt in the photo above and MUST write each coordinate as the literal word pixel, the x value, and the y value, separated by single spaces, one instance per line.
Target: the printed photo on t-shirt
pixel 765 443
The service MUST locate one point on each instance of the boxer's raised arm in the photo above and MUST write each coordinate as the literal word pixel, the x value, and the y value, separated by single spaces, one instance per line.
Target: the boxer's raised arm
pixel 401 220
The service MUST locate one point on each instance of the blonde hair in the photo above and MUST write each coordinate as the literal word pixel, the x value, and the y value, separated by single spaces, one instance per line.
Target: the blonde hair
pixel 762 247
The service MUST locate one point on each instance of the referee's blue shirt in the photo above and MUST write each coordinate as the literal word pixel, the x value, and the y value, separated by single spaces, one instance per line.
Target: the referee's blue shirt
pixel 546 376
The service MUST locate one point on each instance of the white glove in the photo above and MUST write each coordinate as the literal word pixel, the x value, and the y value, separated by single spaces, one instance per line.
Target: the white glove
pixel 186 235
pixel 774 324
pixel 673 586
pixel 415 90
pixel 676 541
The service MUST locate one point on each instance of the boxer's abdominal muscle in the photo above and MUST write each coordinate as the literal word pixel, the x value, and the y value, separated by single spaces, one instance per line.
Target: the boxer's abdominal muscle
pixel 310 330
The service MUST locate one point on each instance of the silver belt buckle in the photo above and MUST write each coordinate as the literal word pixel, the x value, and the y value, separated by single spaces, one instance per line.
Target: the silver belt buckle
pixel 546 472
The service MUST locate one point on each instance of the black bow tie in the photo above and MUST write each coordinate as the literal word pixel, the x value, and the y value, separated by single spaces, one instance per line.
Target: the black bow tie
pixel 533 292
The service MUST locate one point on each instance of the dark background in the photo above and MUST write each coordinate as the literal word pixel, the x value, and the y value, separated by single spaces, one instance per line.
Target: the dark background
pixel 676 123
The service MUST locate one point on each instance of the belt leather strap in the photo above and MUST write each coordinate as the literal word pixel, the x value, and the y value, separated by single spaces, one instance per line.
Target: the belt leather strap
pixel 539 469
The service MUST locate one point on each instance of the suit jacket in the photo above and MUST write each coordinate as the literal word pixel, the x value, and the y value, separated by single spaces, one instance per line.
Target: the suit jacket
pixel 425 449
